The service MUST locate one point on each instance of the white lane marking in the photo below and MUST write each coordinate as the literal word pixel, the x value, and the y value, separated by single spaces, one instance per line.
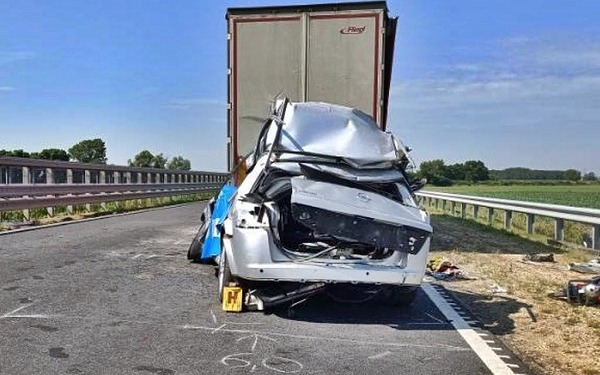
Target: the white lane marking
pixel 380 355
pixel 513 365
pixel 485 353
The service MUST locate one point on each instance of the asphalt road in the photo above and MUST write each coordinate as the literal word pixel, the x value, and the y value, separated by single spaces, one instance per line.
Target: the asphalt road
pixel 118 296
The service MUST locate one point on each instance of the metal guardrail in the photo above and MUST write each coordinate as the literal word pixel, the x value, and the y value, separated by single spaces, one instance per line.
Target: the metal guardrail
pixel 558 213
pixel 30 183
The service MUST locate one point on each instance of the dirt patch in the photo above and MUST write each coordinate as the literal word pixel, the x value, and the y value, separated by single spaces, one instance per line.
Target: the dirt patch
pixel 551 335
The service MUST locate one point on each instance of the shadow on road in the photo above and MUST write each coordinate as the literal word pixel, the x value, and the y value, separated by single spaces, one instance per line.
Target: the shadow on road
pixel 494 312
pixel 421 315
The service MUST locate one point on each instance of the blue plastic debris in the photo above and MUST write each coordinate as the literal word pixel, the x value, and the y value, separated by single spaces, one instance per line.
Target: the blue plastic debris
pixel 212 244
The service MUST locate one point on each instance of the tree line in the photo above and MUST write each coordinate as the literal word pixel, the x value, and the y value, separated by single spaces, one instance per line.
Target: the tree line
pixel 94 151
pixel 438 173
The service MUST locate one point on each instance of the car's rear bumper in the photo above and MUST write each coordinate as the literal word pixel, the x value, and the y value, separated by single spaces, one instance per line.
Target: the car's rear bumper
pixel 255 258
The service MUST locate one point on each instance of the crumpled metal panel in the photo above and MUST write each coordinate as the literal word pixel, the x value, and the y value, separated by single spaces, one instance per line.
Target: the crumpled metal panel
pixel 336 131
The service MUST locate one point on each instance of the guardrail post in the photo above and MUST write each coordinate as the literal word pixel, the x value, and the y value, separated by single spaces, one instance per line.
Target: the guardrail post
pixel 49 180
pixel 530 223
pixel 453 208
pixel 507 220
pixel 87 181
pixel 128 177
pixel 490 216
pixel 102 177
pixel 596 237
pixel 559 229
pixel 443 205
pixel 463 210
pixel 26 180
pixel 475 212
pixel 69 181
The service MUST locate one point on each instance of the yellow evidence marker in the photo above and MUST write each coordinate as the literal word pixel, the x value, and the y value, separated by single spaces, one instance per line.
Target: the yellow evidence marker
pixel 232 299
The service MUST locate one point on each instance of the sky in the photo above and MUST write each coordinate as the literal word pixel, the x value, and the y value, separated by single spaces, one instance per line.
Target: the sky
pixel 511 83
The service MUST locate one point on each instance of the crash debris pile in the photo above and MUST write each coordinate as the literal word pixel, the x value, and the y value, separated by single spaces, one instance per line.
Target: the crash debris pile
pixel 583 292
pixel 443 269
pixel 593 267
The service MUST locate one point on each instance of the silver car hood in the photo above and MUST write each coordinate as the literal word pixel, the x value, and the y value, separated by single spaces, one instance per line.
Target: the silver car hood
pixel 334 130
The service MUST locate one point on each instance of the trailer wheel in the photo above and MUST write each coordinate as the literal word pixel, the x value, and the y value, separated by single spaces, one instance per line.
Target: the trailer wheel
pixel 224 274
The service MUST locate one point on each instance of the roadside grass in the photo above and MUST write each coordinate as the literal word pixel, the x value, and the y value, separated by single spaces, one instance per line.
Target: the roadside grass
pixel 579 195
pixel 40 216
pixel 552 335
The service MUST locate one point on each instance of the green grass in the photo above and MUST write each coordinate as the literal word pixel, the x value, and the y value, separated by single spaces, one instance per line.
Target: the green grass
pixel 570 195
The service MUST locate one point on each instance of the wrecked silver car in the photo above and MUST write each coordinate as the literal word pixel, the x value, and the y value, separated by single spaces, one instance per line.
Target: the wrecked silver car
pixel 326 201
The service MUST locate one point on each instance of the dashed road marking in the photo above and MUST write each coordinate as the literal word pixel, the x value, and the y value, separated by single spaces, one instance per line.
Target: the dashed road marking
pixel 487 355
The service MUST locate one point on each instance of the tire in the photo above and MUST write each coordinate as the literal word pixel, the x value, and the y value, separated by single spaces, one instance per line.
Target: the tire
pixel 400 296
pixel 224 275
pixel 194 250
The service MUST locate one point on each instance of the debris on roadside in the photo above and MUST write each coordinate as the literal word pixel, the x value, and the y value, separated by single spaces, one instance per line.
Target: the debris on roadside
pixel 442 269
pixel 593 267
pixel 497 289
pixel 583 292
pixel 12 225
pixel 531 257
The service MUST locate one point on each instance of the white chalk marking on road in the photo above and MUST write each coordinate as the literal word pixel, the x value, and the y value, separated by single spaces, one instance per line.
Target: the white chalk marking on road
pixel 11 314
pixel 214 317
pixel 380 355
pixel 435 318
pixel 482 334
pixel 218 328
pixel 256 336
pixel 504 356
pixel 513 365
pixel 14 311
pixel 323 338
pixel 485 353
pixel 136 256
pixel 178 242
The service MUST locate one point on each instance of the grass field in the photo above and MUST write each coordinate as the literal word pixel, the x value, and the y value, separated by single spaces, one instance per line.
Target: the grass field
pixel 569 195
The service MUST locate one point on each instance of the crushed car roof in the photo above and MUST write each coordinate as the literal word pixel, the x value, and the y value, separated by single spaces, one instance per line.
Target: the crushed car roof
pixel 330 129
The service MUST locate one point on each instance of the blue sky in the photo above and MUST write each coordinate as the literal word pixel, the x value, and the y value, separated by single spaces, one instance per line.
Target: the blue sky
pixel 509 83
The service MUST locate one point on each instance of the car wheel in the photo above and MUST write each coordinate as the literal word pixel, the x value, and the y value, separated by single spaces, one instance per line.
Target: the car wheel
pixel 224 274
pixel 194 250
pixel 401 296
